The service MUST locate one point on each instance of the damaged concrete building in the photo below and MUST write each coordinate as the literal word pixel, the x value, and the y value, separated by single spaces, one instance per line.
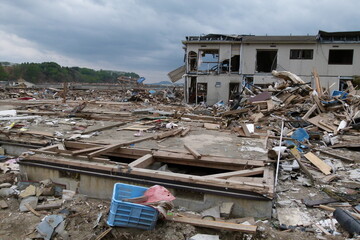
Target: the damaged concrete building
pixel 217 66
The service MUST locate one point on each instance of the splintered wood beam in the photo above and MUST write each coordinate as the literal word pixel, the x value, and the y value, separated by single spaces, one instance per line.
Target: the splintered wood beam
pixel 193 151
pixel 297 156
pixel 308 113
pixel 184 132
pixel 168 134
pixel 103 128
pixel 241 173
pixel 214 224
pixel 335 155
pixel 115 146
pixel 85 150
pixel 142 162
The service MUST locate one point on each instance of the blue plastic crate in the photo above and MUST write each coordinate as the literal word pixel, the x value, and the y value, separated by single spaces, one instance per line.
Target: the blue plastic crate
pixel 126 214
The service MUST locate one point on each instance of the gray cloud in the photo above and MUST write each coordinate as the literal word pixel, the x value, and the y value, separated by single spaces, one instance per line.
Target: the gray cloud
pixel 145 36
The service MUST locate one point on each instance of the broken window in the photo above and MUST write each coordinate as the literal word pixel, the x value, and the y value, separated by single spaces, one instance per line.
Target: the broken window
pixel 233 90
pixel 192 61
pixel 344 57
pixel 266 60
pixel 301 54
pixel 235 64
pixel 209 60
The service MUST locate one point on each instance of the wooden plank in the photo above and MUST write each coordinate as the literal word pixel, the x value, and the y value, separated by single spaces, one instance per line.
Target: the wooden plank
pixel 253 187
pixel 85 150
pixel 316 121
pixel 27 205
pixel 320 164
pixel 355 215
pixel 258 180
pixel 192 151
pixel 214 224
pixel 317 82
pixel 181 157
pixel 309 112
pixel 168 134
pixel 297 156
pixel 318 103
pixel 241 173
pixel 137 127
pixel 335 155
pixel 186 131
pixel 48 206
pixel 115 146
pixel 95 159
pixel 142 162
pixel 40 133
pixel 245 129
pixel 103 128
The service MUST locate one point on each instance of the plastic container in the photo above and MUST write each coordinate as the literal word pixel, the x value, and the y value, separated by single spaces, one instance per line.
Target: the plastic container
pixel 126 214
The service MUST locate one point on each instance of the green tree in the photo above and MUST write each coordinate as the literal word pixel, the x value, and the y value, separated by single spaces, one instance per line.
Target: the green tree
pixel 4 76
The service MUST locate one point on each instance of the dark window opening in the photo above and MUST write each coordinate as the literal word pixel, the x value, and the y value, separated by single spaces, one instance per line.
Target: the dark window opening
pixel 235 63
pixel 192 61
pixel 192 90
pixel 344 57
pixel 266 60
pixel 201 92
pixel 225 66
pixel 233 90
pixel 301 54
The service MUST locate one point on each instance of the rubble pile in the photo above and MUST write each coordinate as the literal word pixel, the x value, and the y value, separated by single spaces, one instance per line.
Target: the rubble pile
pixel 311 134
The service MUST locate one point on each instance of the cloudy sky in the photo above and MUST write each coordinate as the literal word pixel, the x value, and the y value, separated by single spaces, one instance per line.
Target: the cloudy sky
pixel 145 36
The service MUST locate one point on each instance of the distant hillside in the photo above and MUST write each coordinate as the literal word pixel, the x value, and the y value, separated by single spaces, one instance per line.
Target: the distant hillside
pixel 51 72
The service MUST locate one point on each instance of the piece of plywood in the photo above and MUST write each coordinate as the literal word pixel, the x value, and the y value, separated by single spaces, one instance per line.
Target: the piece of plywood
pixel 320 164
pixel 214 224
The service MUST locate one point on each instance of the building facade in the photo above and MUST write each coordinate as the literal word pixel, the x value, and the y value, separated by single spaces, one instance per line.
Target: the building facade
pixel 217 66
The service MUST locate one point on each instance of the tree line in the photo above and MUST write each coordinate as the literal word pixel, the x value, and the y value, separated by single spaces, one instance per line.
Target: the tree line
pixel 51 72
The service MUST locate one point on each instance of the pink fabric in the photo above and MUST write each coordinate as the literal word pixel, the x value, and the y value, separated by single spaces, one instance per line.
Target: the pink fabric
pixel 158 193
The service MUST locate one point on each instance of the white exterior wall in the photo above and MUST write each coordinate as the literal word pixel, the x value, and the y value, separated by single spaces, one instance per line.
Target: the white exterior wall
pixel 215 94
pixel 329 74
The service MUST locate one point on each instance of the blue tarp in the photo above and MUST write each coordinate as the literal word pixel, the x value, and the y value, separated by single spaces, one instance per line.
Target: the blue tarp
pixel 140 80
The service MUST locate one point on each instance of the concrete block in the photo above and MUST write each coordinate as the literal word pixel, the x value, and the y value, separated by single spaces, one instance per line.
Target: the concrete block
pixel 3 204
pixel 204 237
pixel 5 192
pixel 5 185
pixel 225 209
pixel 214 211
pixel 32 201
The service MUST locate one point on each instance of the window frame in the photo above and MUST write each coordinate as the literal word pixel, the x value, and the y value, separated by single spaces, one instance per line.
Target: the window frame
pixel 301 54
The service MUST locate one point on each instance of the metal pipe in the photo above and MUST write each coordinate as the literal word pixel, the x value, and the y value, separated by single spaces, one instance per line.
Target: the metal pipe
pixel 279 153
